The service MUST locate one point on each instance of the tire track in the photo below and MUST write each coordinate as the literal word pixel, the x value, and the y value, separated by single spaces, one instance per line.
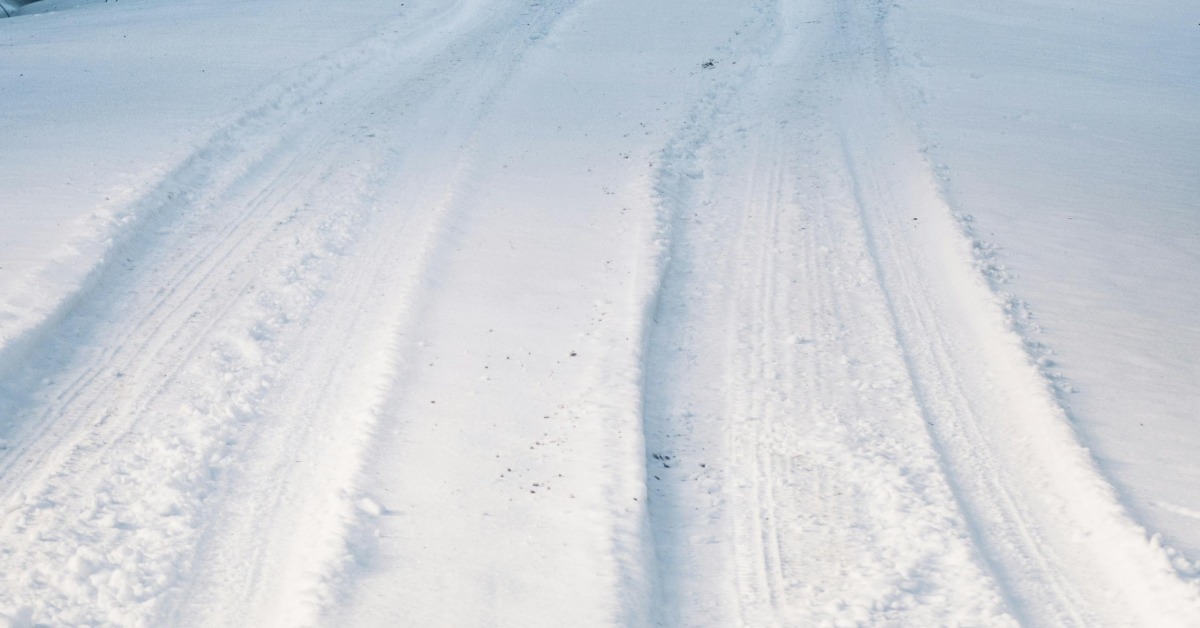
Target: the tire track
pixel 1048 523
pixel 830 504
pixel 144 428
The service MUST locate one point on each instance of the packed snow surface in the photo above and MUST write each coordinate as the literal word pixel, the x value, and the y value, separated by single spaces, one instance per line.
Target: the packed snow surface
pixel 570 312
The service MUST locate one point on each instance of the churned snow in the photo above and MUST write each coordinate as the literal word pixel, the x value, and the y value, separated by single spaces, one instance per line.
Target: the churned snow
pixel 487 312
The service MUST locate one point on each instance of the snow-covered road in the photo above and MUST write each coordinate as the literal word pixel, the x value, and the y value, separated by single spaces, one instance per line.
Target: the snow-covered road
pixel 556 313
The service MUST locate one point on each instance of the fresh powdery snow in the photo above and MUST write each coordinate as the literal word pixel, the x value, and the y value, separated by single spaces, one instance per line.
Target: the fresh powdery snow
pixel 592 313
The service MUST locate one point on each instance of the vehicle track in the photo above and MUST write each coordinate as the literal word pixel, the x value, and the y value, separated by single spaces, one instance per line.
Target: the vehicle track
pixel 254 409
pixel 1051 526
pixel 133 425
pixel 871 466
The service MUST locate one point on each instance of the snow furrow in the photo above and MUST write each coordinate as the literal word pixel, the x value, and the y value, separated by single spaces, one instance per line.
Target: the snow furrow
pixel 909 425
pixel 1049 524
pixel 112 235
pixel 110 484
pixel 788 459
pixel 556 313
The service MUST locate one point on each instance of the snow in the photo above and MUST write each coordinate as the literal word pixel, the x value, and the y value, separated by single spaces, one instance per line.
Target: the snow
pixel 1091 107
pixel 598 313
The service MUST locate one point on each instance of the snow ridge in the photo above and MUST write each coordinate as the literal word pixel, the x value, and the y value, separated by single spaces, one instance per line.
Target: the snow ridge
pixel 144 497
pixel 556 312
pixel 1007 419
pixel 113 235
pixel 680 166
